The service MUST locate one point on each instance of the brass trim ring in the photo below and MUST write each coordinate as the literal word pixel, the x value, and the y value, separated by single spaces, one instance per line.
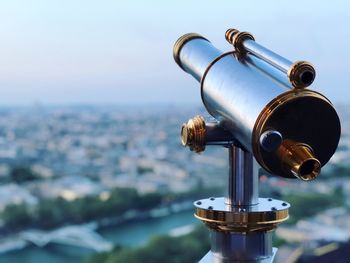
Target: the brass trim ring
pixel 181 42
pixel 230 33
pixel 239 38
pixel 243 218
pixel 296 71
pixel 267 214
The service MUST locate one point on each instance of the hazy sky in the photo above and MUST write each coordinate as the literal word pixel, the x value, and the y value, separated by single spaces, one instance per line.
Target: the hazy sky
pixel 81 51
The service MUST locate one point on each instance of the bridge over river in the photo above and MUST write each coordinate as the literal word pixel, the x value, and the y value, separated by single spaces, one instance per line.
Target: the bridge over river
pixel 80 236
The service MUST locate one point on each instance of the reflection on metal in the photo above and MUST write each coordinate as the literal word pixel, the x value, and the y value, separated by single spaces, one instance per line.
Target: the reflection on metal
pixel 210 258
pixel 254 246
pixel 262 114
pixel 242 178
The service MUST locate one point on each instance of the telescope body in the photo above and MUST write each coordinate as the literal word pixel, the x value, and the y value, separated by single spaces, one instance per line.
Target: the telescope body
pixel 262 112
pixel 249 96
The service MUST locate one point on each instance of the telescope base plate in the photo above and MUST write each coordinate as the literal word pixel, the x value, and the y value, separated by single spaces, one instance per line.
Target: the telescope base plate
pixel 220 216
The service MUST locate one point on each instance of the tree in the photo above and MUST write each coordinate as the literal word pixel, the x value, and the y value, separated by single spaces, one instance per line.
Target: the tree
pixel 188 248
pixel 21 174
pixel 16 216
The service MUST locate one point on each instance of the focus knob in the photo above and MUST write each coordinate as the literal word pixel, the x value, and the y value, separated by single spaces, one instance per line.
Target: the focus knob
pixel 193 134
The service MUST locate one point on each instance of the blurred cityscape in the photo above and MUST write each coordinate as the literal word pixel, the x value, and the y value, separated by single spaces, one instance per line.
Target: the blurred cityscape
pixel 71 176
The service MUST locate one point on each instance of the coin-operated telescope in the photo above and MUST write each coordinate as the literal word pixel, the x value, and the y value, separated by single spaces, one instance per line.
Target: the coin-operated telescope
pixel 263 113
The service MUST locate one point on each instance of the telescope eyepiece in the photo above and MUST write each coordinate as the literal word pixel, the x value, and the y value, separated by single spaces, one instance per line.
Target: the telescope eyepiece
pixel 309 169
pixel 299 160
pixel 301 74
pixel 260 102
pixel 307 77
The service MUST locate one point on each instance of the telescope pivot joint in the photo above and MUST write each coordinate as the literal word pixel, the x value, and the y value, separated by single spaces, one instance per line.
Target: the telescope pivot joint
pixel 197 133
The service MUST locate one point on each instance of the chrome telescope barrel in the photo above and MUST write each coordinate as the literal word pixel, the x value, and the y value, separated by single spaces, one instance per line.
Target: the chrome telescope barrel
pixel 300 74
pixel 250 99
pixel 203 54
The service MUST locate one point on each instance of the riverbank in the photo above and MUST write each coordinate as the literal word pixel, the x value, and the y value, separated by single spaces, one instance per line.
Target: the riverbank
pixel 130 234
pixel 20 240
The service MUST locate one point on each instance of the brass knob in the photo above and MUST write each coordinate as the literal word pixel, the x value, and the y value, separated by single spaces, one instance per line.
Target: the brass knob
pixel 193 134
pixel 236 38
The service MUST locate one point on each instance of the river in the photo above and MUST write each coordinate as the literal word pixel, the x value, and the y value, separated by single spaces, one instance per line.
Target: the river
pixel 127 234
